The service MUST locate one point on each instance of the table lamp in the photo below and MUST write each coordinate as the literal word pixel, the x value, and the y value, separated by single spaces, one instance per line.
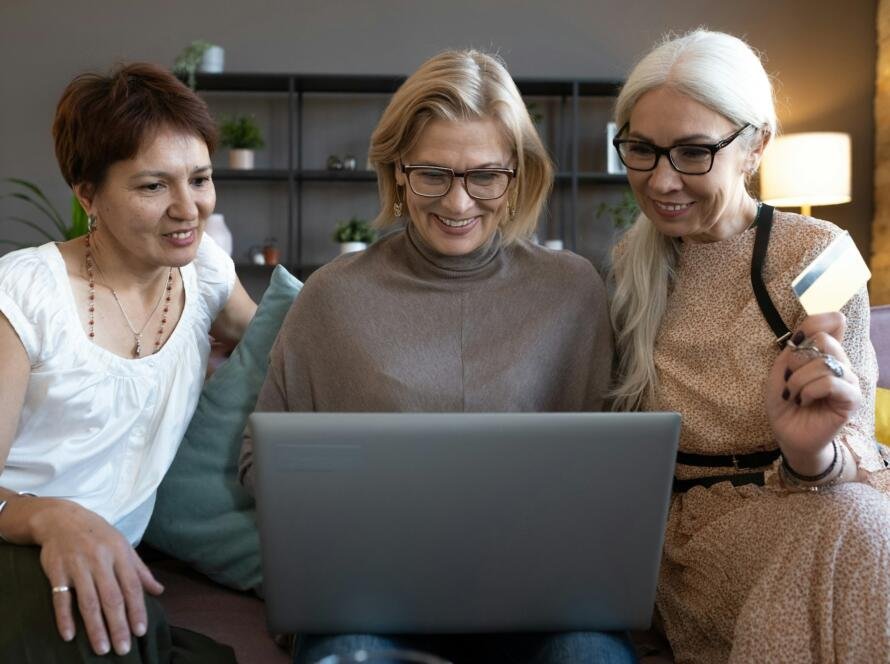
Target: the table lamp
pixel 802 170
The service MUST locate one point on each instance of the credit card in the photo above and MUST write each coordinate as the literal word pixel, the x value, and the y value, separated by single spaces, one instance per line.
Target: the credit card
pixel 836 274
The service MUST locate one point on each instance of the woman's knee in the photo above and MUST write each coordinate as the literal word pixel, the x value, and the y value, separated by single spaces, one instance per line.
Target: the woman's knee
pixel 309 649
pixel 601 647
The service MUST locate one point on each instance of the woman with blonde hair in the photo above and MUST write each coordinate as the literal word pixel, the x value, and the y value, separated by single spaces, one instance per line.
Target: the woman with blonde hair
pixel 777 540
pixel 456 310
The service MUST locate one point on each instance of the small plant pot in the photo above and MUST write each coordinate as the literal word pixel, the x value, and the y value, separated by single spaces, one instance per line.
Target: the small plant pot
pixel 241 159
pixel 349 247
pixel 213 60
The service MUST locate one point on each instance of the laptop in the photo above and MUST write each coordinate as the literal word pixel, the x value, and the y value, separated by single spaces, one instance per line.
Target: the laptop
pixel 461 522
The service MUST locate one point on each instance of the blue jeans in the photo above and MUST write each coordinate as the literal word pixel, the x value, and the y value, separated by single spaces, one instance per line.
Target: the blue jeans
pixel 559 648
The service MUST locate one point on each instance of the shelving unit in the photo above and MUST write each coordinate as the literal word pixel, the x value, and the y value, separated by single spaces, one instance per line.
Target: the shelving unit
pixel 567 93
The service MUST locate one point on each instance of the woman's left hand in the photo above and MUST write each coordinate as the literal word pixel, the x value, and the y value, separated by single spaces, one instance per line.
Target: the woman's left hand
pixel 806 400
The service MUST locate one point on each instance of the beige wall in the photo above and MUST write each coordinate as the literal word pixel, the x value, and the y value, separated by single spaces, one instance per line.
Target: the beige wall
pixel 822 53
pixel 880 259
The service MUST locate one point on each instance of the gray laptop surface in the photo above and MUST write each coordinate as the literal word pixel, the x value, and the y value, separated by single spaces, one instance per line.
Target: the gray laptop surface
pixel 436 523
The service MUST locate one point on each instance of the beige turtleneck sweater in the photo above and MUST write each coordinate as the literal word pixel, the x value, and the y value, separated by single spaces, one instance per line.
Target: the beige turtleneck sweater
pixel 400 328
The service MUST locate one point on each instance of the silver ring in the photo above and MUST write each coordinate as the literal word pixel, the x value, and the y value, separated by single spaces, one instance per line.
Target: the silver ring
pixel 807 347
pixel 61 589
pixel 834 366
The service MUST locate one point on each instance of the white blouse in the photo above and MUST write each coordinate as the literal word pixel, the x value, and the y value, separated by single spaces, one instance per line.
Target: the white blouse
pixel 96 428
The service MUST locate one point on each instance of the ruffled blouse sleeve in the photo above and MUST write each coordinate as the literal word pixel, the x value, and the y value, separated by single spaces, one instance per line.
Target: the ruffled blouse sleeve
pixel 215 273
pixel 29 300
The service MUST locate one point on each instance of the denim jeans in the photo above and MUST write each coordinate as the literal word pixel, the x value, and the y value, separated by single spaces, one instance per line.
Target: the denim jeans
pixel 559 648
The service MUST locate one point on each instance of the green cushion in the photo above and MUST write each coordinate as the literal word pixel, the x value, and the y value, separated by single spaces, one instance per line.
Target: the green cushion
pixel 203 516
pixel 882 415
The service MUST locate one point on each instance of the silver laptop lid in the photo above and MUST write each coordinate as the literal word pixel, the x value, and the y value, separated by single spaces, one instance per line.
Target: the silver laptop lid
pixel 431 523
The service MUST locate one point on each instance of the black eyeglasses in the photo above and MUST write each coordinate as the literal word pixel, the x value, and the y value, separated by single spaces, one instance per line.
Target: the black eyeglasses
pixel 686 158
pixel 481 184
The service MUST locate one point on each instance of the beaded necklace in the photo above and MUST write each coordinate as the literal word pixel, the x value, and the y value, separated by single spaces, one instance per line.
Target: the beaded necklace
pixel 166 297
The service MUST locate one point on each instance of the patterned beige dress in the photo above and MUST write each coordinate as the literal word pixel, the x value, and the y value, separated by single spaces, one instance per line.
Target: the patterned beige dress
pixel 760 574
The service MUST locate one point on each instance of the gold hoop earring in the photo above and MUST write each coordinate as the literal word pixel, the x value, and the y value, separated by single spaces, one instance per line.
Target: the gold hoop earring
pixel 511 205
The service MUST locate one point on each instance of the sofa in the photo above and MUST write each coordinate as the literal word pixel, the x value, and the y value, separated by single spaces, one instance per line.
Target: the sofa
pixel 236 618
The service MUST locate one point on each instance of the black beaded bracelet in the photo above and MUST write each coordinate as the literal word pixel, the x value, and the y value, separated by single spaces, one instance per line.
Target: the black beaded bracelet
pixel 811 478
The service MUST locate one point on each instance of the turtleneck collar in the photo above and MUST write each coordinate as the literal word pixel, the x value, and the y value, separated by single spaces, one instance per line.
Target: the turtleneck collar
pixel 427 261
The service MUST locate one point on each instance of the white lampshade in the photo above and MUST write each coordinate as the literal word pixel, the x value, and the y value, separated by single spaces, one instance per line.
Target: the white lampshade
pixel 801 170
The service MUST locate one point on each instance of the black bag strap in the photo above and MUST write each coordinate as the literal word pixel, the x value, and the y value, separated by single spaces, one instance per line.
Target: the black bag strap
pixel 764 223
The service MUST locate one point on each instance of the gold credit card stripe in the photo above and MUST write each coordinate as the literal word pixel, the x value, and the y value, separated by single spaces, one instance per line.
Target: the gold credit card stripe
pixel 821 263
pixel 833 282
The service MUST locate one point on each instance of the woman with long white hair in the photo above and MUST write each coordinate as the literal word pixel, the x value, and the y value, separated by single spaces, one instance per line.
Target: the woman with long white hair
pixel 777 541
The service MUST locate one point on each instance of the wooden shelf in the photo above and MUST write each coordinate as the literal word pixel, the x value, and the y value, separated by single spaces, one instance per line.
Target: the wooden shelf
pixel 593 177
pixel 282 174
pixel 261 174
pixel 385 84
pixel 337 176
pixel 300 182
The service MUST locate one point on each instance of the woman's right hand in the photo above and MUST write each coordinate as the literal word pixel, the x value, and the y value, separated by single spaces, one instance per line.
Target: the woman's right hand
pixel 82 551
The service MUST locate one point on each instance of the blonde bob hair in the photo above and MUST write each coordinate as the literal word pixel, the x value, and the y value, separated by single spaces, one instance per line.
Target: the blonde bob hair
pixel 724 74
pixel 462 85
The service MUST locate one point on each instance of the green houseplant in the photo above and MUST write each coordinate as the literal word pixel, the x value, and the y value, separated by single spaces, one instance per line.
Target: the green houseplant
pixel 354 235
pixel 241 135
pixel 623 213
pixel 49 223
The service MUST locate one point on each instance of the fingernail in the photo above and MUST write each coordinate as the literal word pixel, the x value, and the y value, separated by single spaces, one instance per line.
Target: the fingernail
pixel 786 394
pixel 67 635
pixel 797 399
pixel 103 648
pixel 798 337
pixel 140 629
pixel 787 374
pixel 122 647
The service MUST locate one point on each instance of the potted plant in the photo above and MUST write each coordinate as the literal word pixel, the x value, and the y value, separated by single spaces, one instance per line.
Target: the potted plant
pixel 198 56
pixel 241 134
pixel 354 235
pixel 50 223
pixel 623 213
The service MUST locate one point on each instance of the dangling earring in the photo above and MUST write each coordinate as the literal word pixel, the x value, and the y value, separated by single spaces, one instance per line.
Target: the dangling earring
pixel 92 222
pixel 511 210
pixel 397 206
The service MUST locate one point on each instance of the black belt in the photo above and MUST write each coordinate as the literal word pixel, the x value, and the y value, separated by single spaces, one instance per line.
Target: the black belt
pixel 753 460
pixel 682 486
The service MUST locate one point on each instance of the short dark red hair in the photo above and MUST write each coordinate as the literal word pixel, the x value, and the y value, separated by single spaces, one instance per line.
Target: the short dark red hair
pixel 104 119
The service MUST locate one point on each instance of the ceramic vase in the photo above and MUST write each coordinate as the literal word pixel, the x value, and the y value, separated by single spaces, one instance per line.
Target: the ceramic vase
pixel 217 229
pixel 349 247
pixel 241 159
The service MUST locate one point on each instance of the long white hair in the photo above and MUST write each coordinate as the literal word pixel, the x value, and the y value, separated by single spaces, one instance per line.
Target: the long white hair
pixel 724 74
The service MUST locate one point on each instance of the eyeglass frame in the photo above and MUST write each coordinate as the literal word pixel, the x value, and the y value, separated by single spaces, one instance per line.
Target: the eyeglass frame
pixel 714 148
pixel 407 168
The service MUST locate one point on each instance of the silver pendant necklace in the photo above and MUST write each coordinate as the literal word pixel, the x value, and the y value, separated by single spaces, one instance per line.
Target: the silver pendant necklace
pixel 166 297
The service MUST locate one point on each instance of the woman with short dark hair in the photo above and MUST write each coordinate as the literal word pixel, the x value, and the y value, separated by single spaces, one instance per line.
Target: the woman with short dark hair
pixel 104 341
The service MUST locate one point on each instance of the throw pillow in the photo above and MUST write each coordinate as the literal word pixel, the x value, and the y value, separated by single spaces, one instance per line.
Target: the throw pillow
pixel 882 415
pixel 202 515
